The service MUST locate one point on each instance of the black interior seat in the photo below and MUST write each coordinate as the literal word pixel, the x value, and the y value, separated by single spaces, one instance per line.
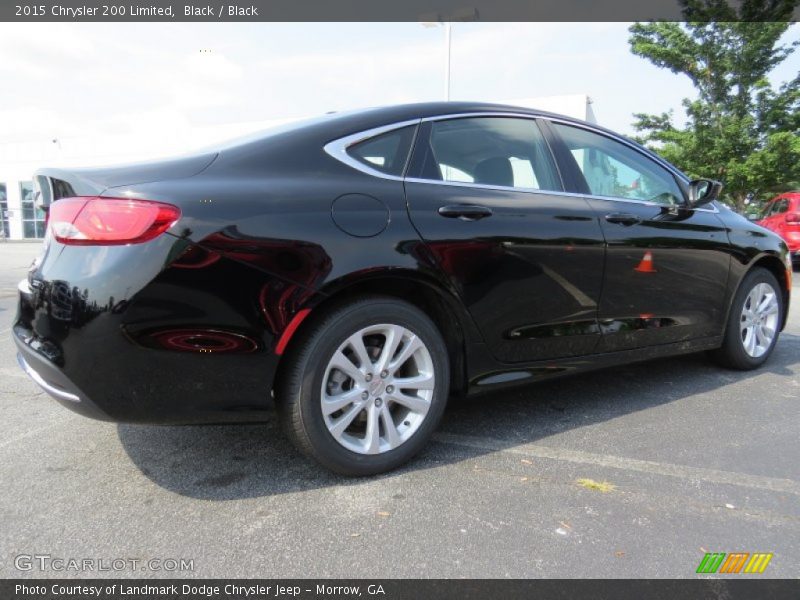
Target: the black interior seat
pixel 495 171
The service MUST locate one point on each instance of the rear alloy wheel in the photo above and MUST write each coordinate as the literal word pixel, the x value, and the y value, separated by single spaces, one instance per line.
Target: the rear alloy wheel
pixel 366 387
pixel 754 322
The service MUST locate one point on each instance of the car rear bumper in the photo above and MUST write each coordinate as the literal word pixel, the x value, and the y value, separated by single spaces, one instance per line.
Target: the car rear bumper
pixel 55 383
pixel 119 345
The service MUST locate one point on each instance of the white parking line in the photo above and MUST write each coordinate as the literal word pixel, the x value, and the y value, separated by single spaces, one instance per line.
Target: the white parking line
pixel 628 464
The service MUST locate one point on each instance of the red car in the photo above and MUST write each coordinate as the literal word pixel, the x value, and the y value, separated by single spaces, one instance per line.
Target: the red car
pixel 782 215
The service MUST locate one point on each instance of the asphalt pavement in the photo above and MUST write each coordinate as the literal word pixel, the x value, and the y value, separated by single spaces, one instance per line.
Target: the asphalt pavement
pixel 630 472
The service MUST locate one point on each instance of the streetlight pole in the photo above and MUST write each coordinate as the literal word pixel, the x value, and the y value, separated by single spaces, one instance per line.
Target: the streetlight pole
pixel 448 45
pixel 436 19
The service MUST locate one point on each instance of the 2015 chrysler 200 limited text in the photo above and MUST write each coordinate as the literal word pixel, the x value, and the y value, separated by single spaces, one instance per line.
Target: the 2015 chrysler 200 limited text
pixel 363 267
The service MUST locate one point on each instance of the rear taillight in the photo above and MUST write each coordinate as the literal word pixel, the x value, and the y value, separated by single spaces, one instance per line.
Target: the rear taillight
pixel 100 221
pixel 793 217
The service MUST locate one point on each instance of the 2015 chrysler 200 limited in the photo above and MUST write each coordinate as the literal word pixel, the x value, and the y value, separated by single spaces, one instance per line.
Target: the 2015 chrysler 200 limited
pixel 363 267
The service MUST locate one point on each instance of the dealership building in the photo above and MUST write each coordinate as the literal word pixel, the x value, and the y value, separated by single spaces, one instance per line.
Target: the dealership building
pixel 19 159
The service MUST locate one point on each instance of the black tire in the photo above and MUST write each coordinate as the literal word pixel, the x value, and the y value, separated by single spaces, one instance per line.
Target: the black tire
pixel 732 353
pixel 299 391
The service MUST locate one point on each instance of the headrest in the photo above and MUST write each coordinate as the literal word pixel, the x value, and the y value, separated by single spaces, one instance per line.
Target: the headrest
pixel 495 171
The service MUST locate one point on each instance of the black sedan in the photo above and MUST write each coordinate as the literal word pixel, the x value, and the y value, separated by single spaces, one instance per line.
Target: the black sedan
pixel 357 270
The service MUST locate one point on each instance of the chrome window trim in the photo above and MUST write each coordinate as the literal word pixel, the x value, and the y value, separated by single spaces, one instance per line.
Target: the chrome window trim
pixel 501 188
pixel 338 148
pixel 484 186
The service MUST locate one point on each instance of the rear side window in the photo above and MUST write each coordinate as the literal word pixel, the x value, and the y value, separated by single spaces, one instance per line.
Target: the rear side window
pixel 387 152
pixel 495 151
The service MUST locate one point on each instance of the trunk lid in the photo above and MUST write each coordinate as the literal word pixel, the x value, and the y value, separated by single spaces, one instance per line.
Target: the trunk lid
pixel 53 183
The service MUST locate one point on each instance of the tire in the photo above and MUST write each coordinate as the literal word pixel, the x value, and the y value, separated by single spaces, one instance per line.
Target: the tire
pixel 395 422
pixel 739 349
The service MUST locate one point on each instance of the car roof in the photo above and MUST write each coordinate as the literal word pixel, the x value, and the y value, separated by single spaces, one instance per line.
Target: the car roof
pixel 423 110
pixel 336 125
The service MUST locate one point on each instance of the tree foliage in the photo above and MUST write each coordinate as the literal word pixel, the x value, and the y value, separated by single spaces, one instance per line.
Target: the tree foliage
pixel 740 128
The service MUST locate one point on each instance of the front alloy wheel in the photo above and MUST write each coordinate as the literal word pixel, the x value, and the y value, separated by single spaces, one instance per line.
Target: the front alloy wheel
pixel 365 386
pixel 754 322
pixel 759 319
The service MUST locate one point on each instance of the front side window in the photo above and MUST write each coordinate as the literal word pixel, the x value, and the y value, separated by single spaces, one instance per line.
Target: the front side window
pixel 387 152
pixel 613 169
pixel 494 151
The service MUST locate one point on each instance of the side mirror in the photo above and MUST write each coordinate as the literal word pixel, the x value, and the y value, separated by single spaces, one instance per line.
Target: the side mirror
pixel 703 191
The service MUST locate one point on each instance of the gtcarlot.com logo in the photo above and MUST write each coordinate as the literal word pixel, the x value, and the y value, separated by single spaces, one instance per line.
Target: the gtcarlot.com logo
pixel 47 562
pixel 735 562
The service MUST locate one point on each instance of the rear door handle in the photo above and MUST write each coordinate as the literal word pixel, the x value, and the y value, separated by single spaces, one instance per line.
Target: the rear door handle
pixel 626 219
pixel 465 212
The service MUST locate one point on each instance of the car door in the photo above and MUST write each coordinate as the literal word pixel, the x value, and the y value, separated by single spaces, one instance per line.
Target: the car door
pixel 666 266
pixel 486 197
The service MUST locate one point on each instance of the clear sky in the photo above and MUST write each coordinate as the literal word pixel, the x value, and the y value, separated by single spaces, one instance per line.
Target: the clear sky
pixel 62 79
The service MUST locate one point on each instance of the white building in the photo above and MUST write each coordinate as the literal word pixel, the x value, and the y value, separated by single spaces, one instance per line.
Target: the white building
pixel 19 159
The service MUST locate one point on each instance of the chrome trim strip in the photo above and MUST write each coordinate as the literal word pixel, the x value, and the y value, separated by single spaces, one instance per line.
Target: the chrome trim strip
pixel 499 188
pixel 648 203
pixel 338 148
pixel 50 389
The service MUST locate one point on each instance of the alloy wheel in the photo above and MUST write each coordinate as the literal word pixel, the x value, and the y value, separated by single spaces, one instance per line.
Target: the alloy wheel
pixel 759 319
pixel 377 388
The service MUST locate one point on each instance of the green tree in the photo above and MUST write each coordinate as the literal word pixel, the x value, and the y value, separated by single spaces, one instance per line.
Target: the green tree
pixel 740 129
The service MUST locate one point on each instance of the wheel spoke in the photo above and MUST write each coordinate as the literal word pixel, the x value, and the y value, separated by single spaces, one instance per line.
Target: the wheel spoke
pixel 330 404
pixel 772 307
pixel 394 335
pixel 413 403
pixel 423 381
pixel 761 342
pixel 392 436
pixel 409 348
pixel 750 341
pixel 752 300
pixel 346 366
pixel 343 422
pixel 356 342
pixel 372 439
pixel 766 303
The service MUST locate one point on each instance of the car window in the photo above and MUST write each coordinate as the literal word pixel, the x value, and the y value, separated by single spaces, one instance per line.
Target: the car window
pixel 387 152
pixel 613 169
pixel 494 151
pixel 781 206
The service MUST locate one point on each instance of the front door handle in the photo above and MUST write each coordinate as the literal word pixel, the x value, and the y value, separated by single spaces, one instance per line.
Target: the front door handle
pixel 465 212
pixel 626 219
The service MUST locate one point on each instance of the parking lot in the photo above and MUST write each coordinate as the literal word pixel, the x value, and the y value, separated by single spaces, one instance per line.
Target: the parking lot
pixel 630 472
